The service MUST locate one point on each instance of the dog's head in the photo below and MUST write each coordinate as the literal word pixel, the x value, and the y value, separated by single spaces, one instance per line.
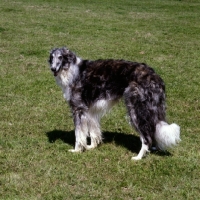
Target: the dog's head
pixel 60 59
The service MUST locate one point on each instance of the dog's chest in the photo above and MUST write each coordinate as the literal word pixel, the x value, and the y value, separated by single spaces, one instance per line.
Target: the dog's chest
pixel 63 81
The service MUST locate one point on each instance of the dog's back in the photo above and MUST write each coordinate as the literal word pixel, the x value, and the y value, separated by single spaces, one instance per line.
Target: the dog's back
pixel 108 79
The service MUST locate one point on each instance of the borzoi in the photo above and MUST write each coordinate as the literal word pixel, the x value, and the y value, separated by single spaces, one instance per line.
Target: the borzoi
pixel 92 87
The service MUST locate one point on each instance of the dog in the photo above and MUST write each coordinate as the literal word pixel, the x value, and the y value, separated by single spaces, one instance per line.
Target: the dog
pixel 92 88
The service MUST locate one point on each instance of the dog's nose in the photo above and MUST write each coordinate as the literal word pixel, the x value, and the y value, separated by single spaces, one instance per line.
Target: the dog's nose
pixel 53 69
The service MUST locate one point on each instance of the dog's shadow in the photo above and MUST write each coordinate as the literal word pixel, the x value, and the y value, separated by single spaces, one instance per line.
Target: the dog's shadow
pixel 66 136
pixel 129 141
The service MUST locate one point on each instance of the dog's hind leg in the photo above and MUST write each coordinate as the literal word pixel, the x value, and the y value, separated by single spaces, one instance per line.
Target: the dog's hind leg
pixel 143 115
pixel 143 151
pixel 145 128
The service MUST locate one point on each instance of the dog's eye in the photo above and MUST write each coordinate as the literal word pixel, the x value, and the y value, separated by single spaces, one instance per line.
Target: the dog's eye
pixel 60 57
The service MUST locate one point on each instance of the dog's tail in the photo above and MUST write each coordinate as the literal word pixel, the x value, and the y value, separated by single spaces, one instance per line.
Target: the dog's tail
pixel 166 135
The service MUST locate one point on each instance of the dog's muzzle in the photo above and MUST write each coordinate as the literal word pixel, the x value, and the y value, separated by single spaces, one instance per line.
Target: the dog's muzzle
pixel 55 71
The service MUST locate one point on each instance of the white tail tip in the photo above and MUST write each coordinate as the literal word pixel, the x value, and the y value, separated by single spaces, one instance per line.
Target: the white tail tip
pixel 167 135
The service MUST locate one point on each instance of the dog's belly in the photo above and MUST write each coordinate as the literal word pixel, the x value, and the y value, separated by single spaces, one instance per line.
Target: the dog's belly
pixel 101 107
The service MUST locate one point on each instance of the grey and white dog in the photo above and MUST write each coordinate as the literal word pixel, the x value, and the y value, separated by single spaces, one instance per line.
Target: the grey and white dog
pixel 92 87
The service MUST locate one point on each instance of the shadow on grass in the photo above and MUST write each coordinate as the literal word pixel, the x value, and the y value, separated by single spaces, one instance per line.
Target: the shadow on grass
pixel 66 136
pixel 131 142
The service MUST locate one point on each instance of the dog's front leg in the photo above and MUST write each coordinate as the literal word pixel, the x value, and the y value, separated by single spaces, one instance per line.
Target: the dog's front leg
pixel 81 131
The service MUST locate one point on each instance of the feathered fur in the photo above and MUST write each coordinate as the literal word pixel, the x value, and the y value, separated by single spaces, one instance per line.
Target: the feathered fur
pixel 92 87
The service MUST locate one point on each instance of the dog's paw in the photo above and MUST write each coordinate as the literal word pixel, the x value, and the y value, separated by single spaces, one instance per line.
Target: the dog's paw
pixel 89 147
pixel 74 151
pixel 136 158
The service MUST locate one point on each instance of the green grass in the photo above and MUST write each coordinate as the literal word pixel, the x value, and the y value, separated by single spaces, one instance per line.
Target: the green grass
pixel 36 125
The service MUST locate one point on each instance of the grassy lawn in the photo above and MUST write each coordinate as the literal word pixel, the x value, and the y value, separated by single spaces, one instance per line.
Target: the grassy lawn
pixel 36 128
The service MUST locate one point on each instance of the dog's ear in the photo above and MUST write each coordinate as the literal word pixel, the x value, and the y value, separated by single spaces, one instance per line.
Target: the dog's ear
pixel 69 56
pixel 65 51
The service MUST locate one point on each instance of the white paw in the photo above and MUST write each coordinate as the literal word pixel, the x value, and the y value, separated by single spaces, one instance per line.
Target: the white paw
pixel 136 158
pixel 74 151
pixel 89 147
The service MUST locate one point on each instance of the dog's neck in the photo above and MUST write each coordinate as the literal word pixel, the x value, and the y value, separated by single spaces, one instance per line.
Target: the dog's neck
pixel 66 78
